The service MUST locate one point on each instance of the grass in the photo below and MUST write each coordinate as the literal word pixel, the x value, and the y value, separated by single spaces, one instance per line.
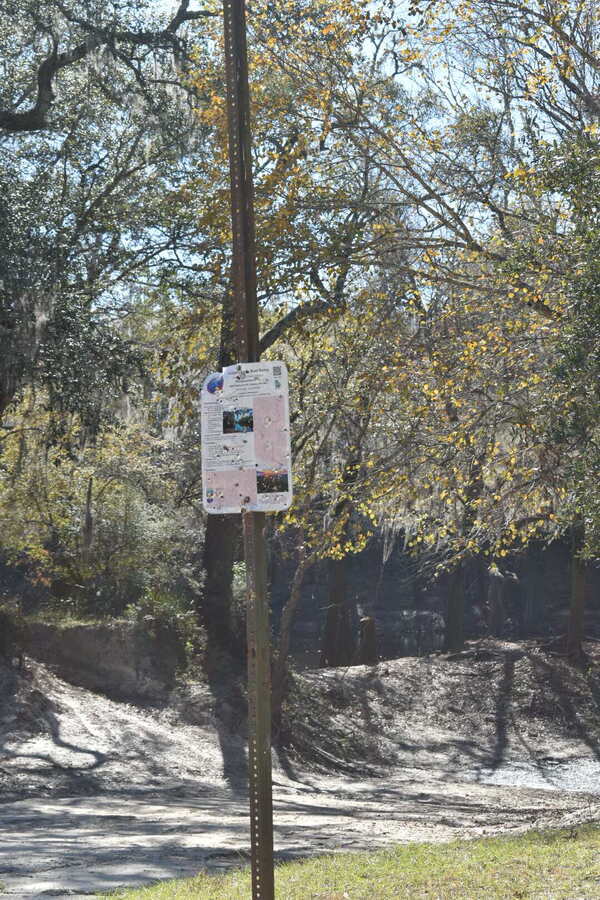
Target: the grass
pixel 550 865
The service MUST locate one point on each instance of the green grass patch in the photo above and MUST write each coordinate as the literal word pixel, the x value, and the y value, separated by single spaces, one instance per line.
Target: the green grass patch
pixel 550 865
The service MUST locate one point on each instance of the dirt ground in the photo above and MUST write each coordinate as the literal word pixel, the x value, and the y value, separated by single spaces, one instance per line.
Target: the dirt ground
pixel 98 794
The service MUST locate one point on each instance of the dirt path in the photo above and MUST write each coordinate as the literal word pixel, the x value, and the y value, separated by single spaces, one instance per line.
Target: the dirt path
pixel 101 794
pixel 85 845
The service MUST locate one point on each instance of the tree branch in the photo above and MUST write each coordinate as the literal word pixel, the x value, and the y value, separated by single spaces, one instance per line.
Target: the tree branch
pixel 302 311
pixel 35 118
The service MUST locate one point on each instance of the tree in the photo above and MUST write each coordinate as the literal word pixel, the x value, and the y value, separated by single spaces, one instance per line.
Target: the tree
pixel 573 171
pixel 92 130
pixel 49 44
pixel 100 525
pixel 309 224
pixel 488 243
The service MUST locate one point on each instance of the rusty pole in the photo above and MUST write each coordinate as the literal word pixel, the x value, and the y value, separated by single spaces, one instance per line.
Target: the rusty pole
pixel 244 291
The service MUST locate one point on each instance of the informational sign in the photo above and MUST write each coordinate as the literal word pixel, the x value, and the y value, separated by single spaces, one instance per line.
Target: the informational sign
pixel 246 454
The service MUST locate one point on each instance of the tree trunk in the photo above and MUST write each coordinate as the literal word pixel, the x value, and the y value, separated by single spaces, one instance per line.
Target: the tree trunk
pixel 88 521
pixel 338 643
pixel 215 603
pixel 281 666
pixel 223 533
pixel 367 645
pixel 577 609
pixel 535 616
pixel 419 630
pixel 496 606
pixel 454 636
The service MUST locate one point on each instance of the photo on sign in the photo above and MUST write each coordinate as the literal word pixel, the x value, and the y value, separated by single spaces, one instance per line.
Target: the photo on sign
pixel 272 481
pixel 238 421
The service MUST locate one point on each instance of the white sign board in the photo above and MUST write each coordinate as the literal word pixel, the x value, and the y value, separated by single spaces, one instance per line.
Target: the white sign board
pixel 246 454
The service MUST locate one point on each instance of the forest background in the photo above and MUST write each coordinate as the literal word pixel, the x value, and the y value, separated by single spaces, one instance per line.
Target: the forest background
pixel 428 230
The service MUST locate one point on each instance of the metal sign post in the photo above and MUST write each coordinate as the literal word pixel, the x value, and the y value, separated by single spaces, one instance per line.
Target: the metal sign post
pixel 244 290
